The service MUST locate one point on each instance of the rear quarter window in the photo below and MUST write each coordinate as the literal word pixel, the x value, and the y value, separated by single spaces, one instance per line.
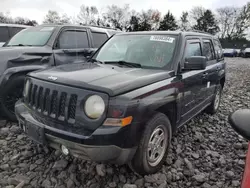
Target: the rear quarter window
pixel 4 34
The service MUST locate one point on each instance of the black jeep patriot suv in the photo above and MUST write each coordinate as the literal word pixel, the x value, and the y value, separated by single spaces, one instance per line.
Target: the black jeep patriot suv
pixel 125 103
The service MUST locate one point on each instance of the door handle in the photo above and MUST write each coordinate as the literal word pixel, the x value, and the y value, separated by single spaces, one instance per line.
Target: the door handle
pixel 217 68
pixel 205 74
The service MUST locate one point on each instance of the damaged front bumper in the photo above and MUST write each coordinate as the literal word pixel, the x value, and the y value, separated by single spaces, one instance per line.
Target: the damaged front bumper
pixel 76 144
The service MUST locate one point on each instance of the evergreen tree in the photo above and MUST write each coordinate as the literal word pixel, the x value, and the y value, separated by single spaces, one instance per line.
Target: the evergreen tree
pixel 168 22
pixel 134 23
pixel 184 23
pixel 207 23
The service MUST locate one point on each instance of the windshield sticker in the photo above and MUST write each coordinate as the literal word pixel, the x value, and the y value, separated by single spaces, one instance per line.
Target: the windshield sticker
pixel 47 29
pixel 162 39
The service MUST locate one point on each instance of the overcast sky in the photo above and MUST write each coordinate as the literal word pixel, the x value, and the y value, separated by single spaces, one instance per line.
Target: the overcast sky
pixel 37 9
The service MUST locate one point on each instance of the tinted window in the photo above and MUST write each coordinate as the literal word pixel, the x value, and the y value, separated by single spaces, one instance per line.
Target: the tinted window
pixel 73 40
pixel 4 34
pixel 208 50
pixel 14 30
pixel 35 36
pixel 193 48
pixel 99 39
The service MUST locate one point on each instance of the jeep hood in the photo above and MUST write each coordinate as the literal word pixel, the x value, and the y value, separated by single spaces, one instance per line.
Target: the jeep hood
pixel 110 79
pixel 23 55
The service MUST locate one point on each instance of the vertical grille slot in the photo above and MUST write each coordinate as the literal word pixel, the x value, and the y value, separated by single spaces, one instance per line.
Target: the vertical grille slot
pixel 46 101
pixel 40 98
pixel 54 104
pixel 30 93
pixel 33 96
pixel 62 104
pixel 72 106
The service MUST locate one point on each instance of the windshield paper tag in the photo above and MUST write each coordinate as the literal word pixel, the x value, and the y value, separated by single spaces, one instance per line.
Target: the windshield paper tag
pixel 162 39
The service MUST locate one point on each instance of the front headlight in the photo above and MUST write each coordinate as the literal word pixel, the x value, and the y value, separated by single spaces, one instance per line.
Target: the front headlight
pixel 26 88
pixel 94 107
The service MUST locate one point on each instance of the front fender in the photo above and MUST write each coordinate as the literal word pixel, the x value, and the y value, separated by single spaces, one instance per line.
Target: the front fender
pixel 14 70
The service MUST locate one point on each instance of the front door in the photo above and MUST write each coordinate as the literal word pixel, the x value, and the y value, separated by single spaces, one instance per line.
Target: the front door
pixel 72 46
pixel 193 81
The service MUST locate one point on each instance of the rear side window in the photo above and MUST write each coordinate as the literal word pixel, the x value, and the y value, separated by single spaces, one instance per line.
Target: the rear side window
pixel 218 49
pixel 208 50
pixel 4 34
pixel 193 48
pixel 73 39
pixel 14 30
pixel 99 39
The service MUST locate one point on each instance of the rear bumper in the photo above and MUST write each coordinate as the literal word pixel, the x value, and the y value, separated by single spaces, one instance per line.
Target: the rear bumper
pixel 76 144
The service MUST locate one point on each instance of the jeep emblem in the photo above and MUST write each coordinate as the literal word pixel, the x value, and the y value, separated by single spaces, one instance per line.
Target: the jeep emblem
pixel 52 78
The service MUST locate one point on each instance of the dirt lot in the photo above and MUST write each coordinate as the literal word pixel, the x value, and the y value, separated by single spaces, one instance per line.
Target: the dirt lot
pixel 205 152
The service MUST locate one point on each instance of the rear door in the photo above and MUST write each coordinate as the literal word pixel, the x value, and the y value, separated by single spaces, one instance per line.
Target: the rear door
pixel 194 86
pixel 4 35
pixel 210 76
pixel 72 46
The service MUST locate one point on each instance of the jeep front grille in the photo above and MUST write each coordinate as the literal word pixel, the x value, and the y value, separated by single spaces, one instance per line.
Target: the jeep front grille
pixel 52 103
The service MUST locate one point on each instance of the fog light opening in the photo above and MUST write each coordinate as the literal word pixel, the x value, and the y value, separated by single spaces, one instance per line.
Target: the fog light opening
pixel 65 150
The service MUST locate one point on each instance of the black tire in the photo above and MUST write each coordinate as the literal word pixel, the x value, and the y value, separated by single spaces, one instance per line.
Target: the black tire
pixel 141 162
pixel 214 106
pixel 12 92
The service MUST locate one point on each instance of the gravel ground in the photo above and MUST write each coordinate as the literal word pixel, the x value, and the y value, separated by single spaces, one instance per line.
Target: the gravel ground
pixel 205 152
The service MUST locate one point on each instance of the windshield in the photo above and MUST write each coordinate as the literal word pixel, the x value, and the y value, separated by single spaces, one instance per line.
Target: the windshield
pixel 154 51
pixel 32 37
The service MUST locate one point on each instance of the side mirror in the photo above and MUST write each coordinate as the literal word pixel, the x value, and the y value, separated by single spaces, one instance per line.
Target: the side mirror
pixel 91 53
pixel 240 122
pixel 195 63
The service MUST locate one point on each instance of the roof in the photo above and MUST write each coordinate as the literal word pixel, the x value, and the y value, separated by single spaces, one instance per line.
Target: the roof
pixel 13 25
pixel 184 33
pixel 92 27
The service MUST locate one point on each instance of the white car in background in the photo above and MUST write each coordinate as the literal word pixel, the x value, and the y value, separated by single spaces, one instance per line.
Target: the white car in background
pixel 7 31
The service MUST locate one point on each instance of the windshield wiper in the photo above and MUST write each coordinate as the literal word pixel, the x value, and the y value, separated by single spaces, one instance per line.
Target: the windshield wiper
pixel 124 63
pixel 19 45
pixel 95 61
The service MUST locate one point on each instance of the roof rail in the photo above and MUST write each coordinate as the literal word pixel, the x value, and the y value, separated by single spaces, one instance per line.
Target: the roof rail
pixel 98 26
pixel 199 31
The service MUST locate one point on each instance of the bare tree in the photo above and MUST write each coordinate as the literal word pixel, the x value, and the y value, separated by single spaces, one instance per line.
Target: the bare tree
pixel 197 12
pixel 118 17
pixel 5 18
pixel 88 15
pixel 53 17
pixel 233 21
pixel 227 17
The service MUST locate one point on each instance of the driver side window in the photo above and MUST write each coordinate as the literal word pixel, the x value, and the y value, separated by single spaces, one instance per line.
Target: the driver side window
pixel 193 48
pixel 73 39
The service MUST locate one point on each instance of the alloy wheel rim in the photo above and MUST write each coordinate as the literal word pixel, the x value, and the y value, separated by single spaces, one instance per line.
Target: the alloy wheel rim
pixel 157 146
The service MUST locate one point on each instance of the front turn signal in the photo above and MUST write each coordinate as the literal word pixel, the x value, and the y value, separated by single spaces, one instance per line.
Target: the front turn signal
pixel 122 122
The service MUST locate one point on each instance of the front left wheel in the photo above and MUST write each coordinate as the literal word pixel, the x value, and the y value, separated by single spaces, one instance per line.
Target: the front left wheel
pixel 153 147
pixel 11 93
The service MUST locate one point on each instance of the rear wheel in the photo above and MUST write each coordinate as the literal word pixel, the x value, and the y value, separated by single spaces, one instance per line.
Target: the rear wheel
pixel 12 92
pixel 154 145
pixel 214 106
